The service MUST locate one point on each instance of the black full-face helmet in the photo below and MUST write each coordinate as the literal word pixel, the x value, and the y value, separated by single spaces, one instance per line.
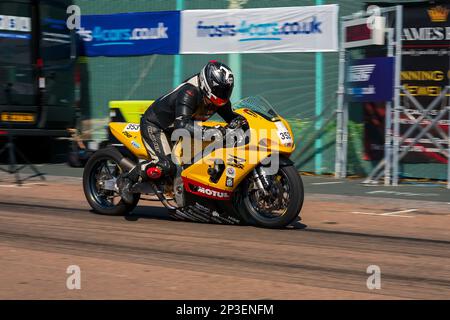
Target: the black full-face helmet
pixel 216 82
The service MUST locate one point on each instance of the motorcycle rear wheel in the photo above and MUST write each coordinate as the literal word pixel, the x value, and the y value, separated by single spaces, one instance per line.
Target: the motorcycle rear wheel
pixel 104 164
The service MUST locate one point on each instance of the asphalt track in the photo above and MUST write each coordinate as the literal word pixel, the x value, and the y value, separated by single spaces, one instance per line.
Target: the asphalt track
pixel 46 227
pixel 316 184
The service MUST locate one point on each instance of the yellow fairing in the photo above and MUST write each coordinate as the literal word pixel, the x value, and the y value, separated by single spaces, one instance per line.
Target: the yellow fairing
pixel 264 140
pixel 239 161
pixel 130 135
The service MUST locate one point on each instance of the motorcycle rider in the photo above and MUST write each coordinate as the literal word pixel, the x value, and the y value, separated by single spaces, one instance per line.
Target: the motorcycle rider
pixel 196 99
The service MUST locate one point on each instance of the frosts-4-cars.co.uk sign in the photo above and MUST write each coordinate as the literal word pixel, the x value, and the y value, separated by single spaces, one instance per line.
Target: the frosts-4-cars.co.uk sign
pixel 289 29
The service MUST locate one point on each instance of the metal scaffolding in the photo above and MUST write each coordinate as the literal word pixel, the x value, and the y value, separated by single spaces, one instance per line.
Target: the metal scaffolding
pixel 394 145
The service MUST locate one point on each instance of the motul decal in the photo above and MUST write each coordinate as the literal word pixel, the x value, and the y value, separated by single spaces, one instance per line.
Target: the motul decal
pixel 213 193
pixel 204 190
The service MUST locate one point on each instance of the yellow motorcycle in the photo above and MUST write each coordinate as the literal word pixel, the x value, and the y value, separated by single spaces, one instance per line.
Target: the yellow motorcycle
pixel 244 177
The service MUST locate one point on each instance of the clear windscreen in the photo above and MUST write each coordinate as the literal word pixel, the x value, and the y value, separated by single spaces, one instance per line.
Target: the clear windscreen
pixel 258 105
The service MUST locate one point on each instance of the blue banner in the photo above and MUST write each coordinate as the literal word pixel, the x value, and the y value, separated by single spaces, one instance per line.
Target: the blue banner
pixel 370 80
pixel 130 34
pixel 25 36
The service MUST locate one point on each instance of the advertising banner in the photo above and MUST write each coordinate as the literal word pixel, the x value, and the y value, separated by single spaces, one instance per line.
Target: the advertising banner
pixel 131 34
pixel 425 72
pixel 370 80
pixel 17 27
pixel 286 29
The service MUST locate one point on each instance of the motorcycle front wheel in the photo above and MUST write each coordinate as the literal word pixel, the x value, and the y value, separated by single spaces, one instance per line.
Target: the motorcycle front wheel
pixel 274 208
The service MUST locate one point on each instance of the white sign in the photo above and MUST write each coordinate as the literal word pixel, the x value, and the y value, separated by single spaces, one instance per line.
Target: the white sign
pixel 287 29
pixel 13 23
pixel 360 73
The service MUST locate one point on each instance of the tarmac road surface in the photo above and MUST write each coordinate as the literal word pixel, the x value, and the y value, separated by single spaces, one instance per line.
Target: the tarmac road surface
pixel 46 227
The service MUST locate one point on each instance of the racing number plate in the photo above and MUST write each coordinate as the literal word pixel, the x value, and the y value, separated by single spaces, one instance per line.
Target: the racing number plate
pixel 132 127
pixel 283 133
pixel 17 117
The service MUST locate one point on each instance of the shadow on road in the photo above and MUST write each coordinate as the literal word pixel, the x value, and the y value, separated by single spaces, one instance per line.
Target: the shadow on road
pixel 145 212
pixel 298 226
pixel 160 213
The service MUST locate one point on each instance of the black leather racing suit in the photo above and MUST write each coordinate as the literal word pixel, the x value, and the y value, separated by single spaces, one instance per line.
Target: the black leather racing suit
pixel 177 109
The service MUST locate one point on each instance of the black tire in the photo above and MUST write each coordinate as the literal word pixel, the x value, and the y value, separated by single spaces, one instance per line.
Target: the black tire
pixel 121 208
pixel 296 197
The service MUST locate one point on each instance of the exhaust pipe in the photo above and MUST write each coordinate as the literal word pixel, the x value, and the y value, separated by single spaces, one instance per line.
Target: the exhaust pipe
pixel 127 164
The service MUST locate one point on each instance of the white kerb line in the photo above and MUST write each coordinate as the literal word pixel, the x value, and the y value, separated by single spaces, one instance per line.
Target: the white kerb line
pixel 395 212
pixel 319 183
pixel 388 214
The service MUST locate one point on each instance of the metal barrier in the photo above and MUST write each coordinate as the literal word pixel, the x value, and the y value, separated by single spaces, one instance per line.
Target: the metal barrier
pixel 396 145
pixel 342 108
pixel 400 152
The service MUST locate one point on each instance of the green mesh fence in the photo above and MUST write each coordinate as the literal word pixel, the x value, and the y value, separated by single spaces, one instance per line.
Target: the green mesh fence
pixel 286 80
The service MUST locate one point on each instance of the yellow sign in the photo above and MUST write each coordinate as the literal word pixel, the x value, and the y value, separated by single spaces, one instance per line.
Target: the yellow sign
pixel 435 75
pixel 17 117
pixel 438 14
pixel 427 91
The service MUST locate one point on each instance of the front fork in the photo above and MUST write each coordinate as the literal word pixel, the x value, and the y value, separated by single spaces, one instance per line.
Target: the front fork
pixel 260 179
pixel 260 174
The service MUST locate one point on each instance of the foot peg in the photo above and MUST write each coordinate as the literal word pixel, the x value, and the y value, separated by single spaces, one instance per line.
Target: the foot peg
pixel 161 197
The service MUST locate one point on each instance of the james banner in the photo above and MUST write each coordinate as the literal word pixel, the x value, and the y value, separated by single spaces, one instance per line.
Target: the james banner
pixel 130 34
pixel 425 72
pixel 285 29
